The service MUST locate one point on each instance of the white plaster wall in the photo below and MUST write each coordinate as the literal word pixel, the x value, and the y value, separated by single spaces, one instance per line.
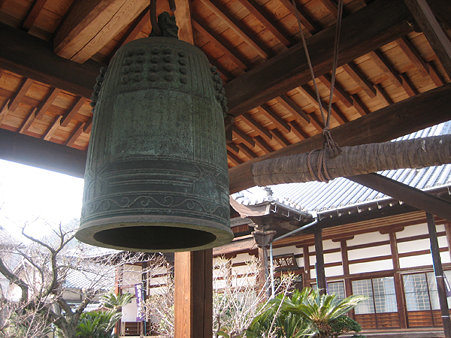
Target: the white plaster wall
pixel 369 237
pixel 329 271
pixel 334 271
pixel 412 261
pixel 286 250
pixel 375 251
pixel 329 244
pixel 312 260
pixel 129 312
pixel 445 257
pixel 419 244
pixel 332 257
pixel 386 264
pixel 413 230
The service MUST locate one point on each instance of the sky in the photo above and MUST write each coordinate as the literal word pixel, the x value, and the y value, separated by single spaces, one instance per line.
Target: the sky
pixel 36 197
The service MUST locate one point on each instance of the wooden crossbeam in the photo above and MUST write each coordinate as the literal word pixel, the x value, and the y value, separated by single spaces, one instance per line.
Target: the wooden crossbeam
pixel 288 103
pixel 408 86
pixel 362 32
pixel 52 129
pixel 339 91
pixel 247 151
pixel 331 6
pixel 412 196
pixel 46 102
pixel 225 46
pixel 42 154
pixel 76 134
pixel 383 95
pixel 386 67
pixel 69 115
pixel 256 10
pixel 398 119
pixel 357 75
pixel 434 74
pixel 183 20
pixel 298 131
pixel 437 37
pixel 359 105
pixel 233 158
pixel 242 136
pixel 20 94
pixel 411 52
pixel 4 111
pixel 44 66
pixel 243 32
pixel 78 37
pixel 255 124
pixel 263 145
pixel 27 121
pixel 275 118
pixel 33 14
pixel 305 20
pixel 278 136
pixel 141 21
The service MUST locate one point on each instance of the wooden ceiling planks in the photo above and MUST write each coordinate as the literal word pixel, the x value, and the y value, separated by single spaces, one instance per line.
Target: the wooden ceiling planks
pixel 238 35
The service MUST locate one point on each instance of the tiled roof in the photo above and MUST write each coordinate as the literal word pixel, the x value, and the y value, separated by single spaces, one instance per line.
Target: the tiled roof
pixel 340 193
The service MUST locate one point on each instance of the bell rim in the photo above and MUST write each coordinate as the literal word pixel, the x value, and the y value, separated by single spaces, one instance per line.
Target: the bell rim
pixel 88 229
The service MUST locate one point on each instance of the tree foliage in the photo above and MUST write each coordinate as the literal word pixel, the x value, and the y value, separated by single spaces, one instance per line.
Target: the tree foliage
pixel 44 272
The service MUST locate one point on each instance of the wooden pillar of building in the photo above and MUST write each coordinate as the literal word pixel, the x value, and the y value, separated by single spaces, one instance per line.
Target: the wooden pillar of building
pixel 193 299
pixel 448 236
pixel 263 239
pixel 438 270
pixel 398 282
pixel 320 273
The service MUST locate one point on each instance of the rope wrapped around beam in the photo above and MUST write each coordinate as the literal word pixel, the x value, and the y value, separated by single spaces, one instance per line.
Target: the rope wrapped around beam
pixel 355 160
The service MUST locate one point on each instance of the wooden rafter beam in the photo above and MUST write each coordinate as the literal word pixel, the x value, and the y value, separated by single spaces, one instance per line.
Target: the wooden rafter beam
pixel 305 20
pixel 183 20
pixel 362 32
pixel 32 15
pixel 242 31
pixel 20 94
pixel 256 10
pixel 225 46
pixel 78 38
pixel 42 154
pixel 44 66
pixel 411 196
pixel 357 75
pixel 437 37
pixel 383 125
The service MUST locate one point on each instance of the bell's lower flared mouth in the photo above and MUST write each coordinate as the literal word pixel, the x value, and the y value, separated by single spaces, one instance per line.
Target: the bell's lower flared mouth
pixel 154 234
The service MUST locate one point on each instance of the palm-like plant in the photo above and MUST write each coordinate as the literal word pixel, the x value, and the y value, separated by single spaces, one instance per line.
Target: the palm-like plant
pixel 97 324
pixel 112 301
pixel 306 313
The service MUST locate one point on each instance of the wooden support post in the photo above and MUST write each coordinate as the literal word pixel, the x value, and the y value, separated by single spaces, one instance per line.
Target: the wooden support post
pixel 448 236
pixel 193 294
pixel 438 270
pixel 306 257
pixel 398 281
pixel 320 274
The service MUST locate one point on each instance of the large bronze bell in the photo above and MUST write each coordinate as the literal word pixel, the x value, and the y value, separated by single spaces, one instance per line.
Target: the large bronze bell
pixel 156 176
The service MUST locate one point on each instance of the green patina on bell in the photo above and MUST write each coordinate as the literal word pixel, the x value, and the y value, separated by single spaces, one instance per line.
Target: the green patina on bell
pixel 156 175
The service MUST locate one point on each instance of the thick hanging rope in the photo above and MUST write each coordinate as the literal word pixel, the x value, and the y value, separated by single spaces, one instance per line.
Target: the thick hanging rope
pixel 330 147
